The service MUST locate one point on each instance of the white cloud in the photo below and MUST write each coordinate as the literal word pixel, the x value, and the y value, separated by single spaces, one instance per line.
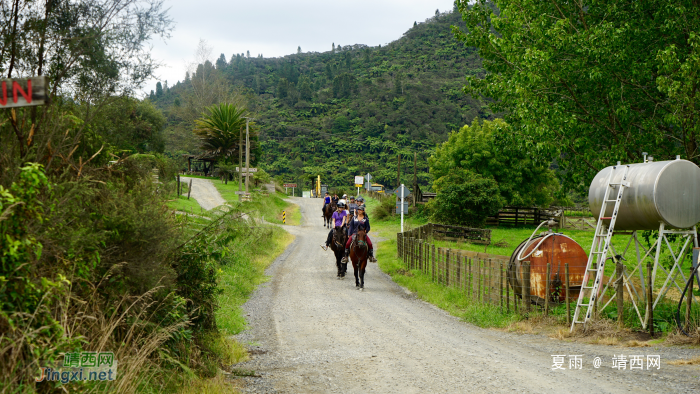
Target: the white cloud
pixel 276 28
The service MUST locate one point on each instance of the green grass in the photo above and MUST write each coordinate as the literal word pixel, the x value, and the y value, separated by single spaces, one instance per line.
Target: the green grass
pixel 450 299
pixel 182 204
pixel 453 301
pixel 240 278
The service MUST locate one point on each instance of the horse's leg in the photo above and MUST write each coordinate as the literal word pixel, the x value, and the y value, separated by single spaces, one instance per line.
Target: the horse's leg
pixel 337 263
pixel 363 266
pixel 357 280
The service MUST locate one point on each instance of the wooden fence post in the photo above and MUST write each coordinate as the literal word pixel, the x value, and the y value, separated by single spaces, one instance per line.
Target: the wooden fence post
pixel 568 306
pixel 447 267
pixel 432 267
pixel 689 304
pixel 189 190
pixel 459 272
pixel 489 273
pixel 478 280
pixel 420 254
pixel 179 187
pixel 507 290
pixel 650 300
pixel 546 290
pixel 526 286
pixel 620 295
pixel 470 279
pixel 500 289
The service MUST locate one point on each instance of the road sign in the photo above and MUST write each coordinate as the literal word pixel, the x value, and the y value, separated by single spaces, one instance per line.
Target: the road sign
pixel 402 189
pixel 22 92
pixel 368 177
pixel 358 180
pixel 399 207
pixel 290 185
pixel 358 185
pixel 248 169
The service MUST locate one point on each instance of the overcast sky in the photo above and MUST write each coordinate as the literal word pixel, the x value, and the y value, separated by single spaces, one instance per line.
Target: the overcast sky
pixel 276 28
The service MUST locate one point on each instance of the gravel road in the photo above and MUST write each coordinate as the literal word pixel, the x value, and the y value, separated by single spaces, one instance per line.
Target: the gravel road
pixel 204 191
pixel 312 333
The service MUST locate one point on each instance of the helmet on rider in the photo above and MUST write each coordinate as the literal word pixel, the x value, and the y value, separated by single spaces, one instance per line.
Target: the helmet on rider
pixel 341 205
pixel 352 198
pixel 360 199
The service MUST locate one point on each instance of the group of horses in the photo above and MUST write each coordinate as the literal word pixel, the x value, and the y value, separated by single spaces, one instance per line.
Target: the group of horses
pixel 359 250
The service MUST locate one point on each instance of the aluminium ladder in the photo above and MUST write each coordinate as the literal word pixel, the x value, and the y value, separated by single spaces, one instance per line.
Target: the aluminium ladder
pixel 599 248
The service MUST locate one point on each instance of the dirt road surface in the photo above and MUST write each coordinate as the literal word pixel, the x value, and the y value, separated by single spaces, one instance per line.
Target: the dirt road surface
pixel 312 333
pixel 204 191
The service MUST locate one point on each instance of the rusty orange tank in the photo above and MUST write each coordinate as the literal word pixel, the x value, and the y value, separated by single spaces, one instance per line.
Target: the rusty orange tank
pixel 556 249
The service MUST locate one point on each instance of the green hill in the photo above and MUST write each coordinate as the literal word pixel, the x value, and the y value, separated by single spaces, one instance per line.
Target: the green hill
pixel 350 110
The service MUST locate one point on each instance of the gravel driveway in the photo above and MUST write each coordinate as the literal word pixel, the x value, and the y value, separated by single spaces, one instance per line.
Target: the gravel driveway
pixel 312 333
pixel 204 191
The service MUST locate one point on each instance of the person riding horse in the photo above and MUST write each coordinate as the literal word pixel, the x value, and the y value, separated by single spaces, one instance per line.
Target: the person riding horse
pixel 353 226
pixel 361 202
pixel 326 201
pixel 339 221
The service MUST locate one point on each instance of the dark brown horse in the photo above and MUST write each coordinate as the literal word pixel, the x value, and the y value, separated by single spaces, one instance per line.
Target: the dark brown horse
pixel 338 247
pixel 328 214
pixel 359 251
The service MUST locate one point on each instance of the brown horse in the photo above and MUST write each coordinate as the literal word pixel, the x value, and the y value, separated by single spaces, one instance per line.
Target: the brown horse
pixel 328 214
pixel 338 247
pixel 358 254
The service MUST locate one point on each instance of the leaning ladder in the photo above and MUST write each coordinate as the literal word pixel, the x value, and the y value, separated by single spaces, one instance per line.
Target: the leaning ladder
pixel 599 249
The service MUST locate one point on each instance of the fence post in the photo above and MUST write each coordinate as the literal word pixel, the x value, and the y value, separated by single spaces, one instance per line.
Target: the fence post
pixel 689 304
pixel 470 279
pixel 620 295
pixel 459 272
pixel 507 290
pixel 650 300
pixel 447 267
pixel 490 278
pixel 568 306
pixel 546 290
pixel 526 286
pixel 420 254
pixel 432 266
pixel 478 280
pixel 500 289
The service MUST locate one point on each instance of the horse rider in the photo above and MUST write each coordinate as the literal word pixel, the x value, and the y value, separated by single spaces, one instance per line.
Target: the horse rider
pixel 359 220
pixel 339 217
pixel 344 199
pixel 361 202
pixel 335 198
pixel 326 201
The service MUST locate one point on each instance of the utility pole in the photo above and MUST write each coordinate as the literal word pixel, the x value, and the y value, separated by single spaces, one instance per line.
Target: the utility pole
pixel 247 155
pixel 240 165
pixel 398 172
pixel 415 179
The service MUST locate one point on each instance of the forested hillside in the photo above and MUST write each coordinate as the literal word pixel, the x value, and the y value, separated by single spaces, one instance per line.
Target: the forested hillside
pixel 344 112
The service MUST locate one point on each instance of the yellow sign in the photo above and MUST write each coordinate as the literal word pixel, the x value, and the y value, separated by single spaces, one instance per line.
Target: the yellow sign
pixel 358 185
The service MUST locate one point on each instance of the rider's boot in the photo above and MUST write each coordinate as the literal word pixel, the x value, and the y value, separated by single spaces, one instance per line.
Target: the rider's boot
pixel 371 256
pixel 345 259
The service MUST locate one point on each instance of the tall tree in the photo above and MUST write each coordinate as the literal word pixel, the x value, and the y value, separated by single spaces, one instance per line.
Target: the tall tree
pixel 159 89
pixel 588 83
pixel 219 130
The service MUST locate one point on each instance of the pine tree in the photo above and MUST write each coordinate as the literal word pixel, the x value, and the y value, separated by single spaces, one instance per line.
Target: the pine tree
pixel 159 90
pixel 221 62
pixel 299 49
pixel 282 88
pixel 248 54
pixel 415 23
pixel 333 50
pixel 152 96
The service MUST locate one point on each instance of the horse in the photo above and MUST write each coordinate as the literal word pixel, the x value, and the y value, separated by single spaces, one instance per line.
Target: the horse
pixel 338 247
pixel 328 214
pixel 359 251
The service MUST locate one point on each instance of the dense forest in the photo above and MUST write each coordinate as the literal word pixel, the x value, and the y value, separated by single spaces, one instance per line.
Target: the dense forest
pixel 344 112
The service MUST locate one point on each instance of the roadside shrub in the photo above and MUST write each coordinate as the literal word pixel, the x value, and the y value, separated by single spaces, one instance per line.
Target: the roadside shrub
pixel 468 203
pixel 385 209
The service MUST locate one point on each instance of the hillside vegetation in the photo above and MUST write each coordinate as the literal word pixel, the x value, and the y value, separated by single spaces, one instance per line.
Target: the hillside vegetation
pixel 347 111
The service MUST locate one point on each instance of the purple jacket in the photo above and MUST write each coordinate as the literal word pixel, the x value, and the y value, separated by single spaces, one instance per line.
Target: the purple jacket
pixel 338 217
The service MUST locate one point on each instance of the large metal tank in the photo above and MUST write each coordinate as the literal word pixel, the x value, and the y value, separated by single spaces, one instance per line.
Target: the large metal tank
pixel 660 191
pixel 557 250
